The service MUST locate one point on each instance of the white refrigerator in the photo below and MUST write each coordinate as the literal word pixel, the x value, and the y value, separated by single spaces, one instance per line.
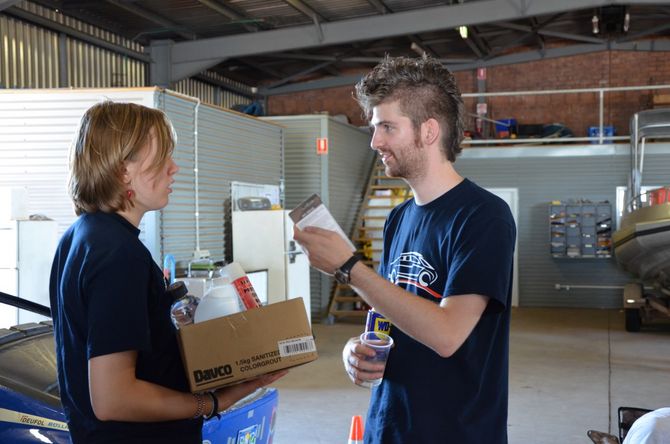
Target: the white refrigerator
pixel 27 248
pixel 263 239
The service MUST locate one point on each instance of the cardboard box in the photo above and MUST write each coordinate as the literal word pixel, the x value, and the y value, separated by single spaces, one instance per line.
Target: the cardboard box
pixel 245 345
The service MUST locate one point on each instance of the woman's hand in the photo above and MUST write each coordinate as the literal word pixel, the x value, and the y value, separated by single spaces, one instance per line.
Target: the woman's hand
pixel 228 396
pixel 117 395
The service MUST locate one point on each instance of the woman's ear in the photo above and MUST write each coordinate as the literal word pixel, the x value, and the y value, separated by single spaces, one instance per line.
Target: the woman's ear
pixel 127 171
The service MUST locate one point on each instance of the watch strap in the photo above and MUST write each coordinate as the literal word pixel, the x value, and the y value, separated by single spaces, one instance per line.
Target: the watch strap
pixel 343 272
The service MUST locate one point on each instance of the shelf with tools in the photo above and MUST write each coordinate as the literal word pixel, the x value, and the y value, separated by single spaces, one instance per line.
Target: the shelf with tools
pixel 580 229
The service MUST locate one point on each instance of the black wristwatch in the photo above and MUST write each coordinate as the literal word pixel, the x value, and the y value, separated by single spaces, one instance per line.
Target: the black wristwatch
pixel 343 274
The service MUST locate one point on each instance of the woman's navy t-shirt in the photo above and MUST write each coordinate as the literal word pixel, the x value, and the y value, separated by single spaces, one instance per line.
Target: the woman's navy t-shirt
pixel 108 296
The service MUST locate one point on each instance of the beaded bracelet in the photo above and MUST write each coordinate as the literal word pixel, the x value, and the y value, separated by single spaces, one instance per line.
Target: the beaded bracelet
pixel 215 406
pixel 200 409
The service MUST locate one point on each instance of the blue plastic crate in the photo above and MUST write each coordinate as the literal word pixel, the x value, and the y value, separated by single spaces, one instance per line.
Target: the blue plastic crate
pixel 506 127
pixel 608 131
pixel 250 421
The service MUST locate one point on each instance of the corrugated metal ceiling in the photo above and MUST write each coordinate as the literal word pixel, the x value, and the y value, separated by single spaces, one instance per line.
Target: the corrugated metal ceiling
pixel 143 21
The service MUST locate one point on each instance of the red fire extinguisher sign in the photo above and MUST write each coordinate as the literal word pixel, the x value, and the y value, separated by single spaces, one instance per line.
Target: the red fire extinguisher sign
pixel 322 145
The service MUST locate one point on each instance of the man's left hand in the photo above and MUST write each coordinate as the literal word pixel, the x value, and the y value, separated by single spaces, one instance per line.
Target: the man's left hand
pixel 326 249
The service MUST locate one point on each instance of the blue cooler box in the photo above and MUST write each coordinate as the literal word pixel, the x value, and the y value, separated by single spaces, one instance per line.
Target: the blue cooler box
pixel 250 421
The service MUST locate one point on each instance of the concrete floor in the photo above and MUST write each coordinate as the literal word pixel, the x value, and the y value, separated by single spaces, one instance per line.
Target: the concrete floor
pixel 570 370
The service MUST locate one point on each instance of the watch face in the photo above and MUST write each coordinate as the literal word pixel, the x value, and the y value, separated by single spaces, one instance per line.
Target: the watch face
pixel 342 278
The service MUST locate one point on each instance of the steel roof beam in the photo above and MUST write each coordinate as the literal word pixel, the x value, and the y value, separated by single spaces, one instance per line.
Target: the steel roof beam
pixel 422 45
pixel 351 59
pixel 22 14
pixel 474 48
pixel 644 33
pixel 306 10
pixel 479 41
pixel 322 65
pixel 191 57
pixel 153 17
pixel 538 38
pixel 227 11
pixel 522 57
pixel 548 33
pixel 260 67
pixel 4 4
pixel 379 6
pixel 565 51
pixel 299 74
pixel 85 16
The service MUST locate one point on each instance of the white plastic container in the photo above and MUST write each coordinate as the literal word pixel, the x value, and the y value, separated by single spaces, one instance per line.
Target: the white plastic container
pixel 221 300
pixel 242 284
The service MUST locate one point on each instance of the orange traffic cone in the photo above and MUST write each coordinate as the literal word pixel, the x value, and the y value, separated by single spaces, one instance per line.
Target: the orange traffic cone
pixel 356 432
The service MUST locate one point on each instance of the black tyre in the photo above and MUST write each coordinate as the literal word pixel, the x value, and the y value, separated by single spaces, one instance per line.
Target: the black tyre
pixel 633 320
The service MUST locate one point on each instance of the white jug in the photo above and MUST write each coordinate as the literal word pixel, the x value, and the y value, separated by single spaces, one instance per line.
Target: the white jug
pixel 220 300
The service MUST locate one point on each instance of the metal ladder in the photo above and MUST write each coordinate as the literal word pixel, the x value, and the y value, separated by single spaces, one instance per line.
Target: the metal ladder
pixel 383 193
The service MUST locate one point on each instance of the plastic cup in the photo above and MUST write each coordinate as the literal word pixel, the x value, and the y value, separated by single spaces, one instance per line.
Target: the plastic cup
pixel 381 343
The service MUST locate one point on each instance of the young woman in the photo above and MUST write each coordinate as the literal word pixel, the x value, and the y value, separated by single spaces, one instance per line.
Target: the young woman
pixel 119 369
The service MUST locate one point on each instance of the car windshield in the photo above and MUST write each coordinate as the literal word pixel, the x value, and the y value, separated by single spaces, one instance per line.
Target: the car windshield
pixel 28 362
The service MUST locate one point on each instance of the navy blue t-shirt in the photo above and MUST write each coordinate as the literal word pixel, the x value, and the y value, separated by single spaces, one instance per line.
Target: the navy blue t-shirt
pixel 460 243
pixel 108 296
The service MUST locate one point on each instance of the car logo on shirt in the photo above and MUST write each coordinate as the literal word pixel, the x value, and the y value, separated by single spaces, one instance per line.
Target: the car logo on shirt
pixel 411 268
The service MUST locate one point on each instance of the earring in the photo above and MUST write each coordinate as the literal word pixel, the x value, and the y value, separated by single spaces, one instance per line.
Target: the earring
pixel 129 193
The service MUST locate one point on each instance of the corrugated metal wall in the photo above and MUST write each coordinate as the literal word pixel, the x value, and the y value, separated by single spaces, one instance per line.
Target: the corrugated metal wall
pixel 542 175
pixel 339 178
pixel 231 147
pixel 177 222
pixel 89 66
pixel 72 22
pixel 302 176
pixel 36 131
pixel 213 94
pixel 349 161
pixel 30 57
pixel 301 165
pixel 37 128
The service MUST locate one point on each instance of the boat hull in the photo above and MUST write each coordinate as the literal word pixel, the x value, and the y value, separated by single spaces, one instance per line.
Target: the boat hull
pixel 642 245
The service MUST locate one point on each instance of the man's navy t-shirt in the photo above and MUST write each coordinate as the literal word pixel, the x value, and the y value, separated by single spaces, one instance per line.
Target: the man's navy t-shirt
pixel 108 296
pixel 460 243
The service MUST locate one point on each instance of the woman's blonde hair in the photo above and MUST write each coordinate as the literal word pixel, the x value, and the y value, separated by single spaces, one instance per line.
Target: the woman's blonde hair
pixel 110 134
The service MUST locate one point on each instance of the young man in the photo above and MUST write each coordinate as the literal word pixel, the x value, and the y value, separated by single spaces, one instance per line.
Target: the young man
pixel 445 275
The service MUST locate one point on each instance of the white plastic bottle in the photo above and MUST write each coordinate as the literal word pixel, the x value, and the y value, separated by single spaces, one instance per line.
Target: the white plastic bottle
pixel 242 284
pixel 221 300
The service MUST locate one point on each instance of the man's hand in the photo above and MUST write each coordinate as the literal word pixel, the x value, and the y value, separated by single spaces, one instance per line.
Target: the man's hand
pixel 357 367
pixel 326 249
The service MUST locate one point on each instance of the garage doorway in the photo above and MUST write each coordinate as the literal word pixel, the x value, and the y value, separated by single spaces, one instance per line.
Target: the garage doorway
pixel 511 197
